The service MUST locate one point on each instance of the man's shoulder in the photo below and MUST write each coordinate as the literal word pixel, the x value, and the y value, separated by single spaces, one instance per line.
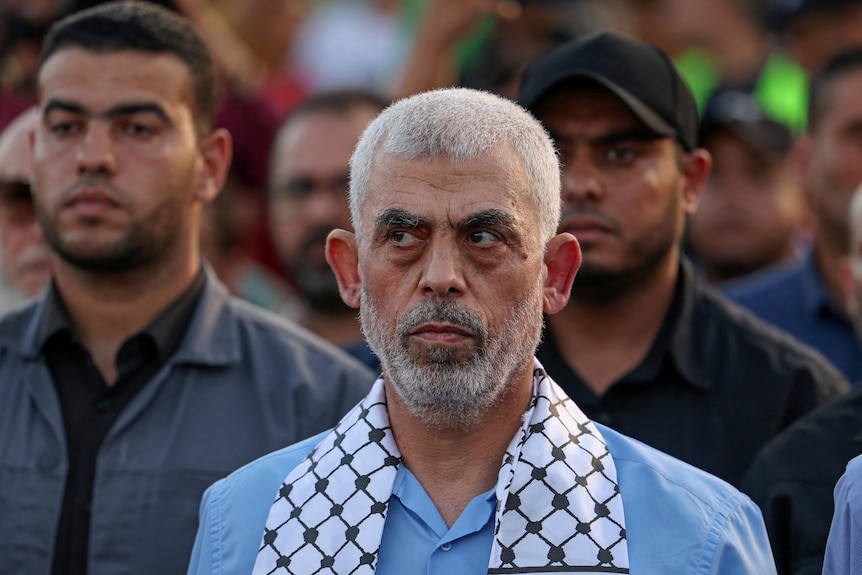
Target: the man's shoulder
pixel 256 483
pixel 657 476
pixel 18 326
pixel 234 510
pixel 260 333
pixel 680 519
pixel 717 320
pixel 853 471
pixel 814 449
pixel 727 329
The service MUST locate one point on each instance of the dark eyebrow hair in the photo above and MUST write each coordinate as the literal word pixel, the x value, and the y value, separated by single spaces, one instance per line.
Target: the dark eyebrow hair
pixel 396 217
pixel 488 218
pixel 55 104
pixel 118 110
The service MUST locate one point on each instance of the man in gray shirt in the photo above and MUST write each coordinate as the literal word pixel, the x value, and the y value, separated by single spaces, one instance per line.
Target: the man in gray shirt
pixel 136 380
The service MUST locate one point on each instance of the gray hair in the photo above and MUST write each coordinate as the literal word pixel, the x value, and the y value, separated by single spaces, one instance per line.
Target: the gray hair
pixel 460 123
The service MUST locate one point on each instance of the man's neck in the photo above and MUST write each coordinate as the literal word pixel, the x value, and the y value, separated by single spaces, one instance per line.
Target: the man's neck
pixel 456 465
pixel 106 309
pixel 604 342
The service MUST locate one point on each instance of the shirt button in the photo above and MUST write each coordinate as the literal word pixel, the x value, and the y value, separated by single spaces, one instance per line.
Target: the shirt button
pixel 102 403
pixel 446 547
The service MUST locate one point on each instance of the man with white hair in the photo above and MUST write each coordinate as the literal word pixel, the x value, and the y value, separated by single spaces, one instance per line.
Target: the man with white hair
pixel 466 457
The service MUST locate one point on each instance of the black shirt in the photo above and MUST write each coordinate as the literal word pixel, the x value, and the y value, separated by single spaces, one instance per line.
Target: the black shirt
pixel 90 406
pixel 716 384
pixel 793 479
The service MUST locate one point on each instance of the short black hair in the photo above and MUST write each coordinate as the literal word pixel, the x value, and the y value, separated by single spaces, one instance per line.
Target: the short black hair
pixel 819 91
pixel 138 26
pixel 336 102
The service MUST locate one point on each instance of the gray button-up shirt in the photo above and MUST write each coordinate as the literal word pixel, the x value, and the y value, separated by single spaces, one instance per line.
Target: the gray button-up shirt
pixel 241 384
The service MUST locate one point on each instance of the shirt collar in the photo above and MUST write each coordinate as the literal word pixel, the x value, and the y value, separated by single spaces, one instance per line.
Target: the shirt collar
pixel 166 330
pixel 55 318
pixel 681 330
pixel 672 348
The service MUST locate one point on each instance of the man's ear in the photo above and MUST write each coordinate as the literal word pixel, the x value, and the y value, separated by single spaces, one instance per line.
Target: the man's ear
pixel 216 153
pixel 562 259
pixel 343 257
pixel 696 167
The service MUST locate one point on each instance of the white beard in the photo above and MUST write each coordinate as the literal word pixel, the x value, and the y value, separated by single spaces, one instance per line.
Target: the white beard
pixel 446 388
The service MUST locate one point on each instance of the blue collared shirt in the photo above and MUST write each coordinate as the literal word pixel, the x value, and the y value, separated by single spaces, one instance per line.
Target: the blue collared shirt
pixel 843 549
pixel 795 299
pixel 433 547
pixel 679 519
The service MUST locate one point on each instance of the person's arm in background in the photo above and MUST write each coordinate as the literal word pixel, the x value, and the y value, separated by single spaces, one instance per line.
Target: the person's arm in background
pixel 242 70
pixel 433 61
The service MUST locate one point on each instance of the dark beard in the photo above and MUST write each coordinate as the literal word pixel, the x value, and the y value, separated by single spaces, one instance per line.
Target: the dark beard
pixel 600 286
pixel 144 244
pixel 319 289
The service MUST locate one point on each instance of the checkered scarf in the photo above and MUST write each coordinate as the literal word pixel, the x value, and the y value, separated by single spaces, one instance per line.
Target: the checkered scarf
pixel 559 509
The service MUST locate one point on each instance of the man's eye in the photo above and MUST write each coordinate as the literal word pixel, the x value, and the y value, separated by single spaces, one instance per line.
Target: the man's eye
pixel 138 130
pixel 65 128
pixel 402 237
pixel 483 238
pixel 620 154
pixel 298 188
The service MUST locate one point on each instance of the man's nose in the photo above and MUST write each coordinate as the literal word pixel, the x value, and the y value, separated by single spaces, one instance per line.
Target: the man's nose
pixel 580 181
pixel 96 151
pixel 443 274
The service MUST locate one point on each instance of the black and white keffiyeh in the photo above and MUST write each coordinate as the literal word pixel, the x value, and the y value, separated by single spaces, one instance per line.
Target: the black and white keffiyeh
pixel 559 509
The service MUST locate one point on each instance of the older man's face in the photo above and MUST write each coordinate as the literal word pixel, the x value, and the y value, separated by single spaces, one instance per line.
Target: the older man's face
pixel 452 273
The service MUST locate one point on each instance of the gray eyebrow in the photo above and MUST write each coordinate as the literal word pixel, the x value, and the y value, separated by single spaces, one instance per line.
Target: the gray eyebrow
pixel 397 217
pixel 400 218
pixel 492 218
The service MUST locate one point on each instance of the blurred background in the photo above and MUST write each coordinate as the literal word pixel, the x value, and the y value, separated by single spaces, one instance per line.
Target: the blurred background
pixel 747 62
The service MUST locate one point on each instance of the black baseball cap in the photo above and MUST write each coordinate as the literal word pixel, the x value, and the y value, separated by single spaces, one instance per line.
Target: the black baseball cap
pixel 639 74
pixel 739 113
pixel 777 14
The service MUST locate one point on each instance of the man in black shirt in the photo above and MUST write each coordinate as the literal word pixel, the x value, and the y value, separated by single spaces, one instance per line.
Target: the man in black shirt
pixel 642 346
pixel 136 380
